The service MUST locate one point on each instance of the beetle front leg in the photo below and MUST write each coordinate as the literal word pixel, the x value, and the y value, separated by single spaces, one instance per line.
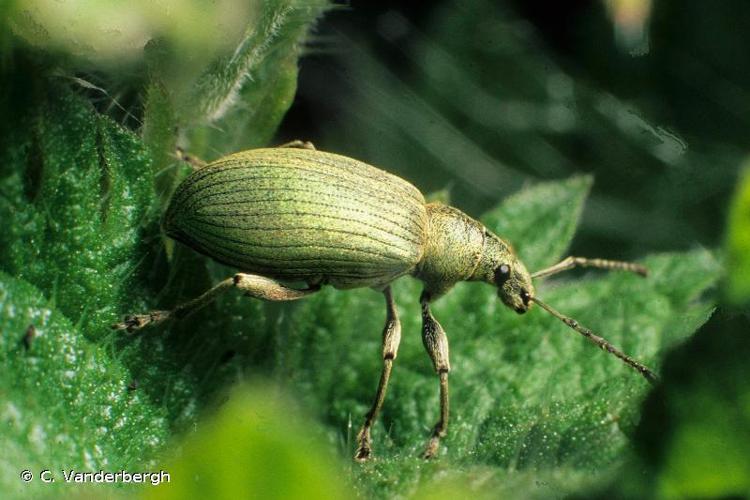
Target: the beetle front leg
pixel 436 342
pixel 254 286
pixel 391 340
pixel 573 262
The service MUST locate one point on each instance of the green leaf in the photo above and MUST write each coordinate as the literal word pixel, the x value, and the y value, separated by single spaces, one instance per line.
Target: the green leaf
pixel 540 222
pixel 159 137
pixel 738 242
pixel 67 403
pixel 529 396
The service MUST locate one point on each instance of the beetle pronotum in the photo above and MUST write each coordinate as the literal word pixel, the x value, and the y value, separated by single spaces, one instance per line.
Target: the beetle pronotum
pixel 295 214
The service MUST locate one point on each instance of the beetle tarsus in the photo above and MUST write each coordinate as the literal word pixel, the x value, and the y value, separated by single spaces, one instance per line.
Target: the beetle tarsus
pixel 364 449
pixel 431 451
pixel 441 428
pixel 134 322
pixel 194 161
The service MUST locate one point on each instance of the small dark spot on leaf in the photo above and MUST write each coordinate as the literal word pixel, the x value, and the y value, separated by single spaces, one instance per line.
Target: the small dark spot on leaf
pixel 133 385
pixel 29 336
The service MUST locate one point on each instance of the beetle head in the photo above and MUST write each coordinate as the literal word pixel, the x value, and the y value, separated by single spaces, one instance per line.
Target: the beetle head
pixel 501 267
pixel 514 285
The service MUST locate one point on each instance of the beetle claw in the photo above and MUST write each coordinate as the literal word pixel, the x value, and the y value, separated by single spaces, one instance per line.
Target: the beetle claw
pixel 432 449
pixel 363 454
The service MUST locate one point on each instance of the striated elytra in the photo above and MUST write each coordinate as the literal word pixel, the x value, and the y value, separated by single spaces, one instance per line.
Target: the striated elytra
pixel 301 215
pixel 293 214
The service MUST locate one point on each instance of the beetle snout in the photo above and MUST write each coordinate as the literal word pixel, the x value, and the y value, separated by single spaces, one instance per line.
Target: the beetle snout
pixel 525 299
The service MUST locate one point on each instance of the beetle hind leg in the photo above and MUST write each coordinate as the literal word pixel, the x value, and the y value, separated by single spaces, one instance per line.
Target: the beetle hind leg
pixel 391 340
pixel 253 285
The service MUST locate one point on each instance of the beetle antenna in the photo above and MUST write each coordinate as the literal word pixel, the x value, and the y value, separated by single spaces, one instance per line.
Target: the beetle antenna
pixel 600 342
pixel 571 262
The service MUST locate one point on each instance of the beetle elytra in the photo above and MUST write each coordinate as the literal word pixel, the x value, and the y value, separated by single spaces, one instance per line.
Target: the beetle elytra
pixel 297 215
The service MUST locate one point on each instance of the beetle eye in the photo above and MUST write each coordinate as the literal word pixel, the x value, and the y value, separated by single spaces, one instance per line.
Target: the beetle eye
pixel 502 273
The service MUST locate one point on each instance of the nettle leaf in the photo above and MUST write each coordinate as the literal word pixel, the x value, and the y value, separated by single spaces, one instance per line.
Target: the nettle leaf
pixel 78 203
pixel 76 191
pixel 527 393
pixel 67 403
pixel 235 102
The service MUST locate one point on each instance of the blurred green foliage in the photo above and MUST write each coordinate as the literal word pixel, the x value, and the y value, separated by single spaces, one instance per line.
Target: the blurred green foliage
pixel 694 437
pixel 738 243
pixel 257 445
pixel 86 166
pixel 109 33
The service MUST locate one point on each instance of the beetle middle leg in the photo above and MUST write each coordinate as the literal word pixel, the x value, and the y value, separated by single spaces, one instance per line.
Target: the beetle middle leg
pixel 253 285
pixel 391 340
pixel 436 342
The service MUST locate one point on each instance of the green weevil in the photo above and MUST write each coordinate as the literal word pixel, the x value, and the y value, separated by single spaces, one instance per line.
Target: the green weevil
pixel 294 214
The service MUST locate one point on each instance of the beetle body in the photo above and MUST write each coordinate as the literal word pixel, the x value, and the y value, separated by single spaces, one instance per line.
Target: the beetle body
pixel 305 215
